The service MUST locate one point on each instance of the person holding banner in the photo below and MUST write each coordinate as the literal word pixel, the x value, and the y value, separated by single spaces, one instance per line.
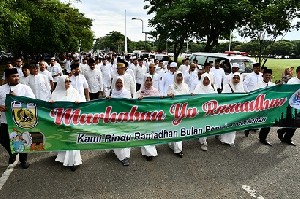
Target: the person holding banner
pixel 119 91
pixel 177 88
pixel 204 87
pixel 12 87
pixel 234 86
pixel 266 82
pixel 147 90
pixel 64 91
pixel 286 134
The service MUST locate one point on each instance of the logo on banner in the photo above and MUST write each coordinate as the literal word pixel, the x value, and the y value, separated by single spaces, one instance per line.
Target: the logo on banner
pixel 24 114
pixel 295 100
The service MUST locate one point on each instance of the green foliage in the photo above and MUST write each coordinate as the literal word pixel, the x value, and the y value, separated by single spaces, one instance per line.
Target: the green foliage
pixel 43 26
pixel 177 21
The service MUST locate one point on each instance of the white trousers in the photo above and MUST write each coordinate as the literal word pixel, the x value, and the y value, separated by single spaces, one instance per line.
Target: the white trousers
pixel 228 138
pixel 149 150
pixel 122 153
pixel 203 141
pixel 69 158
pixel 176 146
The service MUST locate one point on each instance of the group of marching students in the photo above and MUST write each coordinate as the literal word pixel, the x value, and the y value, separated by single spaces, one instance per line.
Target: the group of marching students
pixel 81 79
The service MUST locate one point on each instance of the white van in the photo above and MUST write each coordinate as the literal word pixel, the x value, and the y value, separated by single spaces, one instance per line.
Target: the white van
pixel 245 63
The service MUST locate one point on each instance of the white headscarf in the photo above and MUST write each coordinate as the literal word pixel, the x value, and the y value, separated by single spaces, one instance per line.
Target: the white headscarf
pixel 147 92
pixel 178 89
pixel 202 89
pixel 236 88
pixel 123 93
pixel 62 94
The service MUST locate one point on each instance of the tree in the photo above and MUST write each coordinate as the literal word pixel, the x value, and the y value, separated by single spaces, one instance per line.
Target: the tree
pixel 43 27
pixel 177 21
pixel 267 20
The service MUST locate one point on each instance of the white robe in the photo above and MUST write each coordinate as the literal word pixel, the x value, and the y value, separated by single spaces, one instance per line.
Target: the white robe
pixel 229 138
pixel 69 157
pixel 124 152
pixel 201 89
pixel 182 89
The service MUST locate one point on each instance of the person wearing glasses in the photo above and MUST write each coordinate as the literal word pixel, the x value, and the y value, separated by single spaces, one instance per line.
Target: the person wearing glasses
pixel 65 92
pixel 234 86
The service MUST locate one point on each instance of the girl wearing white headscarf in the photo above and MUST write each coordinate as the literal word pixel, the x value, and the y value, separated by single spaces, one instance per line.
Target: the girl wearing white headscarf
pixel 177 88
pixel 147 90
pixel 234 86
pixel 65 92
pixel 204 87
pixel 119 91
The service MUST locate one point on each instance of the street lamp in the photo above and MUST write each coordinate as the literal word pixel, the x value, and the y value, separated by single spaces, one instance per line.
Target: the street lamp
pixel 134 18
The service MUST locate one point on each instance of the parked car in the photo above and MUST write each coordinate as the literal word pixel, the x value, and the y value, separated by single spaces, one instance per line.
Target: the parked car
pixel 245 62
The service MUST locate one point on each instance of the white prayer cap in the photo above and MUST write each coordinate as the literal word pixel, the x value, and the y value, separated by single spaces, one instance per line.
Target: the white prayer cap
pixel 173 65
pixel 235 65
pixel 53 58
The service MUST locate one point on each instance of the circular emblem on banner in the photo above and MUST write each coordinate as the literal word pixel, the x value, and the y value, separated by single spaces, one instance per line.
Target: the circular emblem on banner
pixel 295 100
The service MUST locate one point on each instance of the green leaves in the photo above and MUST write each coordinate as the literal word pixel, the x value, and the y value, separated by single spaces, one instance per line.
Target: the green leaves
pixel 43 26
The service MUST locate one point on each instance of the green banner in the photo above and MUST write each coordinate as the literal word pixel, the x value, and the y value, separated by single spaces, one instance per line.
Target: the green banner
pixel 36 125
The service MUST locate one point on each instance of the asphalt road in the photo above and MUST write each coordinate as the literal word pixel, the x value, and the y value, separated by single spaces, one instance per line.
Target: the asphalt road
pixel 249 170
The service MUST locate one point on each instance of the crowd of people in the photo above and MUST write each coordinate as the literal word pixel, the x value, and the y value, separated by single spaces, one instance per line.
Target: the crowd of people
pixel 80 79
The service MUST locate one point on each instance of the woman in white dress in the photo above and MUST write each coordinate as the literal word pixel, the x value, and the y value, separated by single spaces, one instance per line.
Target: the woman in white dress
pixel 204 87
pixel 234 86
pixel 119 91
pixel 177 88
pixel 65 92
pixel 147 90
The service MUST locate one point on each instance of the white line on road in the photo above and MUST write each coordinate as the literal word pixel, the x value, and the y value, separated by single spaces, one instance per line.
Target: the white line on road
pixel 252 192
pixel 7 172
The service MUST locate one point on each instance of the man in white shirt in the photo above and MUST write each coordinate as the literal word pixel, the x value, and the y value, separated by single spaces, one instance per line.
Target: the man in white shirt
pixel 185 66
pixel 79 82
pixel 26 72
pixel 39 84
pixel 95 80
pixel 286 134
pixel 12 87
pixel 18 66
pixel 234 69
pixel 219 75
pixel 266 82
pixel 206 69
pixel 160 69
pixel 45 72
pixel 55 72
pixel 67 67
pixel 190 76
pixel 140 71
pixel 155 76
pixel 83 66
pixel 250 83
pixel 129 83
pixel 167 79
pixel 106 70
pixel 253 78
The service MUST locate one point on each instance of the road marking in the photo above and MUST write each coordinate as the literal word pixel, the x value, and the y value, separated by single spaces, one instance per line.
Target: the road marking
pixel 252 192
pixel 7 172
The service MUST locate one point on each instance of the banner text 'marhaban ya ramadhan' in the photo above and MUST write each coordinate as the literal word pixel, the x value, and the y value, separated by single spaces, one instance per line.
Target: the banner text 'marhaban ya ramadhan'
pixel 116 123
pixel 179 111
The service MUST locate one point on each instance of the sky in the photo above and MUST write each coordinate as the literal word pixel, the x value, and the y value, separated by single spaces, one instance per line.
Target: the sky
pixel 109 15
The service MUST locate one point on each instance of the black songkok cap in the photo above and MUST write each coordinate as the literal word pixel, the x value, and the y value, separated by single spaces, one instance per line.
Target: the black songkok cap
pixel 268 71
pixel 206 64
pixel 10 71
pixel 256 65
pixel 74 66
pixel 26 66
